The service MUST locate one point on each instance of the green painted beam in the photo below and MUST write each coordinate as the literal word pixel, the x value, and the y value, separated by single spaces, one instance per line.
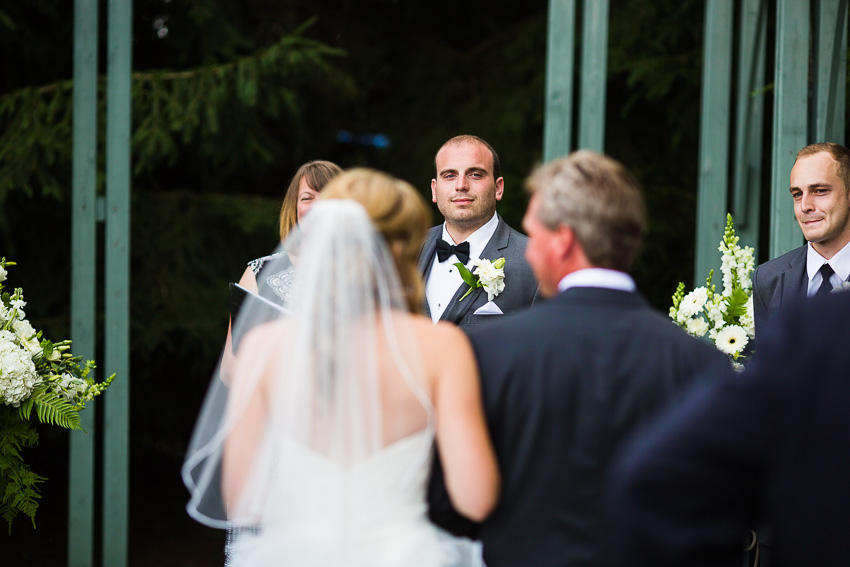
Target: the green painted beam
pixel 560 68
pixel 594 75
pixel 830 64
pixel 83 276
pixel 789 118
pixel 714 144
pixel 117 285
pixel 749 121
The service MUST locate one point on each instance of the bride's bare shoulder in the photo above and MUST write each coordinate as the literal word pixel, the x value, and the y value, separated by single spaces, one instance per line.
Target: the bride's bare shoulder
pixel 444 336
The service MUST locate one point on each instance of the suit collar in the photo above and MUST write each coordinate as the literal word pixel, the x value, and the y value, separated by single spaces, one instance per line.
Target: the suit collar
pixel 602 296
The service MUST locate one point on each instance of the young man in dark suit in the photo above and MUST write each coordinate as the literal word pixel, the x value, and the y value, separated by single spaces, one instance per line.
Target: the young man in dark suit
pixel 820 190
pixel 466 187
pixel 565 381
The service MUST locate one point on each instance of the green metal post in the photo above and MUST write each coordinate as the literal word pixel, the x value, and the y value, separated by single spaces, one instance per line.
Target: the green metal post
pixel 117 304
pixel 594 74
pixel 560 57
pixel 749 121
pixel 830 71
pixel 714 135
pixel 789 118
pixel 83 276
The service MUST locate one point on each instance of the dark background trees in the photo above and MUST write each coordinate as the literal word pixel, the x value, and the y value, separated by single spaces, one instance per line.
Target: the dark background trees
pixel 229 98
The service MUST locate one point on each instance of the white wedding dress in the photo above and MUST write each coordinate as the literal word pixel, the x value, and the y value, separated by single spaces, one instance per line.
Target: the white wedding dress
pixel 358 516
pixel 300 450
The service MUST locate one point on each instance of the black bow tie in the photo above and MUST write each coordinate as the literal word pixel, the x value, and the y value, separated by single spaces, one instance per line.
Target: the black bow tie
pixel 445 250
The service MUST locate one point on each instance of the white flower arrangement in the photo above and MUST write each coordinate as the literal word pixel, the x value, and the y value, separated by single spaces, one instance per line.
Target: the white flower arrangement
pixel 844 286
pixel 35 373
pixel 489 275
pixel 726 318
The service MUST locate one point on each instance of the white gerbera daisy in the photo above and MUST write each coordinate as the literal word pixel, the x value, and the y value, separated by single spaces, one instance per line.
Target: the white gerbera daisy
pixel 731 339
pixel 693 302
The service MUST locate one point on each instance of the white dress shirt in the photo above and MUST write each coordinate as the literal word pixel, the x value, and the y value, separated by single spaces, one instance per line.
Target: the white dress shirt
pixel 598 277
pixel 444 278
pixel 840 264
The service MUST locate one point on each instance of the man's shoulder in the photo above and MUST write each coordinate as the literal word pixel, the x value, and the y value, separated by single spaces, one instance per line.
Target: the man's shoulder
pixel 516 237
pixel 780 263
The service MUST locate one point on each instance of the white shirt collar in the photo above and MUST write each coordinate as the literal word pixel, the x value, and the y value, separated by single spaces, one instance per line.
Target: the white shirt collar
pixel 840 262
pixel 478 239
pixel 598 277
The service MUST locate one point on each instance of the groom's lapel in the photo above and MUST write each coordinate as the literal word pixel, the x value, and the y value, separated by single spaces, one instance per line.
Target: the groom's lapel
pixel 457 309
pixel 426 258
pixel 793 280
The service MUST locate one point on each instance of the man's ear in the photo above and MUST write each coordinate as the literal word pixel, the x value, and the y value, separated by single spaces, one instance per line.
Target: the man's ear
pixel 565 240
pixel 500 188
pixel 433 190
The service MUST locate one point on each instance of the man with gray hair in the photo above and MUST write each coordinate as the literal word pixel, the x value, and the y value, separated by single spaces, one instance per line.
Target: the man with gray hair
pixel 565 382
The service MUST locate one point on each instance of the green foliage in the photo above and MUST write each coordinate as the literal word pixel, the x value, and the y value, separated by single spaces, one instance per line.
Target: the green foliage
pixel 220 108
pixel 18 483
pixel 51 408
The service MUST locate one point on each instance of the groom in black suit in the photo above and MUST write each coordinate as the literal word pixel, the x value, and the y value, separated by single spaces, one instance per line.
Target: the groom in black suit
pixel 820 190
pixel 565 381
pixel 466 187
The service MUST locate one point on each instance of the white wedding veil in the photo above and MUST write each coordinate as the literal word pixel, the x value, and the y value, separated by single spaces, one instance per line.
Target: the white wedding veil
pixel 317 387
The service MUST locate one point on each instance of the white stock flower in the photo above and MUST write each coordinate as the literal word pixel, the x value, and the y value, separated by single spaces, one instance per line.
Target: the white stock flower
pixel 715 310
pixel 748 319
pixel 693 302
pixel 731 340
pixel 3 274
pixel 18 304
pixel 17 372
pixel 70 387
pixel 697 327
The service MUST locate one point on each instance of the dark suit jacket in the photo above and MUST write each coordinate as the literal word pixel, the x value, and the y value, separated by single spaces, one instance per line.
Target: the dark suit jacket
pixel 776 283
pixel 563 383
pixel 520 284
pixel 769 447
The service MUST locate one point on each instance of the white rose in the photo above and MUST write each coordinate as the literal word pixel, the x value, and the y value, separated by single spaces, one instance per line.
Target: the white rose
pixel 697 327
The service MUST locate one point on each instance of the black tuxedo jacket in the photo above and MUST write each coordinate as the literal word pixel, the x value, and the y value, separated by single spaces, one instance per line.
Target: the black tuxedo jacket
pixel 778 282
pixel 563 383
pixel 520 284
pixel 769 447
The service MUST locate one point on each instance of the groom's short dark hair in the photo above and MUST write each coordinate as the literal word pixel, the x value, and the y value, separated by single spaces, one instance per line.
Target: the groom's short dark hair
pixel 599 199
pixel 470 139
pixel 839 153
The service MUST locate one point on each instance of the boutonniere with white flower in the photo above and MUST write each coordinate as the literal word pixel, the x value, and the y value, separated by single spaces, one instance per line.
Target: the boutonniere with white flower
pixel 844 286
pixel 726 318
pixel 489 275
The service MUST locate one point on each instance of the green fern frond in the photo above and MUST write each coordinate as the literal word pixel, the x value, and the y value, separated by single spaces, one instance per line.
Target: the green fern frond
pixel 53 409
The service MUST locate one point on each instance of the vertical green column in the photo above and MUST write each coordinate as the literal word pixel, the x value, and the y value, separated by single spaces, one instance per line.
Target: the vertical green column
pixel 83 275
pixel 714 134
pixel 789 118
pixel 117 285
pixel 830 70
pixel 560 67
pixel 594 74
pixel 749 122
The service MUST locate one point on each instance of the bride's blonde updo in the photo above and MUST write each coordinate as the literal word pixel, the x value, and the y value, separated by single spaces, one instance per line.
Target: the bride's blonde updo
pixel 398 212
